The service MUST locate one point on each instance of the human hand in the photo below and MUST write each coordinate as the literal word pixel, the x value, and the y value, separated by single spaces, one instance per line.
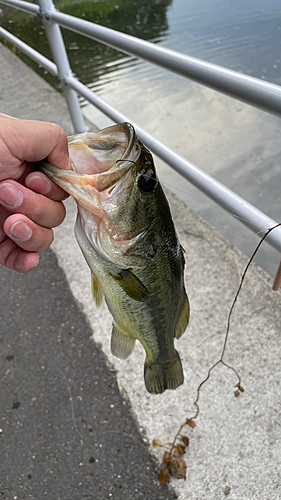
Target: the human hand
pixel 30 203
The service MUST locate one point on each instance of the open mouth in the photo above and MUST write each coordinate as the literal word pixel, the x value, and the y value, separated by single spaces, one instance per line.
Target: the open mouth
pixel 95 153
pixel 97 162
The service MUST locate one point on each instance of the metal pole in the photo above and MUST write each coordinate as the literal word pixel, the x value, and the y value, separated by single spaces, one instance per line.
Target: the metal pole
pixel 249 215
pixel 29 7
pixel 29 51
pixel 60 57
pixel 263 95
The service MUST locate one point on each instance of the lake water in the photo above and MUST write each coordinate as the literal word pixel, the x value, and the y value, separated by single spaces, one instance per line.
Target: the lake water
pixel 237 144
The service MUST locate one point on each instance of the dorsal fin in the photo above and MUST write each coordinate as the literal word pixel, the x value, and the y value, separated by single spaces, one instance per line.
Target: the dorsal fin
pixel 183 318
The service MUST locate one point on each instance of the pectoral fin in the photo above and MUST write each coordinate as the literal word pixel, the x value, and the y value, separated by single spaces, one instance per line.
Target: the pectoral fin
pixel 122 344
pixel 132 285
pixel 183 318
pixel 96 290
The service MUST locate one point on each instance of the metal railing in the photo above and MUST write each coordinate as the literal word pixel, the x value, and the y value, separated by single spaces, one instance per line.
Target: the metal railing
pixel 263 95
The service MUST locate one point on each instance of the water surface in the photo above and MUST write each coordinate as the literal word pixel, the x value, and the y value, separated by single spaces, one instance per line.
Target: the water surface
pixel 237 144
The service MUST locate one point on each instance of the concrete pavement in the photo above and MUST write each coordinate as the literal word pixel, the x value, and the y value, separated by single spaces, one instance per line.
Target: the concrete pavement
pixel 47 357
pixel 66 432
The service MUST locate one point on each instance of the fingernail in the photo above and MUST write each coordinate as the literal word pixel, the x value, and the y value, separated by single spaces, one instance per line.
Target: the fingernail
pixel 21 231
pixel 10 195
pixel 34 265
pixel 39 184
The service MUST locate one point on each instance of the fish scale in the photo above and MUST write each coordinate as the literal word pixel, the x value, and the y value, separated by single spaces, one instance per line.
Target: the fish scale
pixel 126 233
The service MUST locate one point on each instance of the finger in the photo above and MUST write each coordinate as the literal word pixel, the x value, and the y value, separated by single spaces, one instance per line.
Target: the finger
pixel 26 234
pixel 40 183
pixel 3 216
pixel 40 209
pixel 13 257
pixel 31 141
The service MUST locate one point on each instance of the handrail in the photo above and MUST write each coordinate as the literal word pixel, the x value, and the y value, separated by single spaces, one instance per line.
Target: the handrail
pixel 28 7
pixel 263 95
pixel 59 54
pixel 29 51
pixel 247 213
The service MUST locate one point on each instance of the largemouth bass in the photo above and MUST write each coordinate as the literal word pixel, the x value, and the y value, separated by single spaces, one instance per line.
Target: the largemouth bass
pixel 126 233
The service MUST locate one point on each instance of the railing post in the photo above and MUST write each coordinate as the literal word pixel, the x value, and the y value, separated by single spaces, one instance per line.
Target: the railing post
pixel 61 60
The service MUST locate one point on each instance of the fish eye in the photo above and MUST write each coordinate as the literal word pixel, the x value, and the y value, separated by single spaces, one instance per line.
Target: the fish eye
pixel 147 181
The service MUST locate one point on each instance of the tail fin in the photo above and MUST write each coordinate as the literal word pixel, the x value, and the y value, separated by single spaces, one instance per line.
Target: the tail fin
pixel 164 376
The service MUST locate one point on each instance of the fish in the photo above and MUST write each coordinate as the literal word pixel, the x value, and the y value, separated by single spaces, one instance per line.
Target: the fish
pixel 125 231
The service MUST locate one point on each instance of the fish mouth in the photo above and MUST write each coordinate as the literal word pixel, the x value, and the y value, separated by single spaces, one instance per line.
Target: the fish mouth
pixel 98 161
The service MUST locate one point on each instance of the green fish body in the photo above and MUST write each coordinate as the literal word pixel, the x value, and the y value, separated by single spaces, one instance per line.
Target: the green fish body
pixel 126 233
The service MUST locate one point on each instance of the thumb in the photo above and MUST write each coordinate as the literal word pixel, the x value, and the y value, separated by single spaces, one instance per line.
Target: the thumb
pixel 31 141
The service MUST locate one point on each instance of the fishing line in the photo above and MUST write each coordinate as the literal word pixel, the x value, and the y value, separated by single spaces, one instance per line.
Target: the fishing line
pixel 124 159
pixel 213 205
pixel 189 354
pixel 261 233
pixel 173 454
